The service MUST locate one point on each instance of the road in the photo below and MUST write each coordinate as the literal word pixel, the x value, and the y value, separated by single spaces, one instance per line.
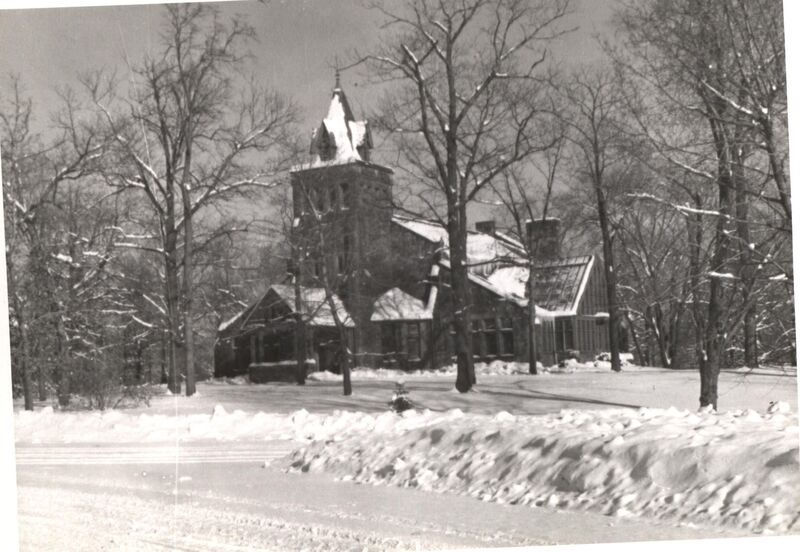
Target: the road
pixel 233 497
pixel 154 454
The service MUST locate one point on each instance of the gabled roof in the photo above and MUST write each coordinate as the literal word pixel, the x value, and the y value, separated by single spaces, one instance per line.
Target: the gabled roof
pixel 559 285
pixel 484 251
pixel 396 304
pixel 498 263
pixel 315 305
pixel 227 323
pixel 315 308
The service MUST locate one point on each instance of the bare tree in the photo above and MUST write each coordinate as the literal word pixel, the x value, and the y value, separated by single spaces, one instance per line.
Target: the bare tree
pixel 467 103
pixel 191 135
pixel 718 67
pixel 37 180
pixel 522 202
pixel 594 110
pixel 320 260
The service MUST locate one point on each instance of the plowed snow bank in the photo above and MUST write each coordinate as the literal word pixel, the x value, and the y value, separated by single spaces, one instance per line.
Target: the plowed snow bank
pixel 738 468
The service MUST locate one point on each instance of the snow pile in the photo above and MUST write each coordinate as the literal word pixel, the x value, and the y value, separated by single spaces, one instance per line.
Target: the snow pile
pixel 237 380
pixel 323 375
pixel 49 426
pixel 494 368
pixel 602 363
pixel 738 468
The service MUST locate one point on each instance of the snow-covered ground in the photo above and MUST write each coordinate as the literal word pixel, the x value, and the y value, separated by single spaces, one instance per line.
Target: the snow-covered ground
pixel 739 468
pixel 630 445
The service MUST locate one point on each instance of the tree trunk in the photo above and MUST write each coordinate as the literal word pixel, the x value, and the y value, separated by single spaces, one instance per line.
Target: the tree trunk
pixel 173 314
pixel 694 228
pixel 750 339
pixel 62 360
pixel 611 280
pixel 25 361
pixel 188 310
pixel 635 337
pixel 717 305
pixel 459 282
pixel 300 329
pixel 709 377
pixel 22 323
pixel 746 268
pixel 345 360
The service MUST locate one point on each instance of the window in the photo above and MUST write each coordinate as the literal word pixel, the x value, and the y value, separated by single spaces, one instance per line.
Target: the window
pixel 506 336
pixel 269 351
pixel 413 341
pixel 260 348
pixel 317 200
pixel 343 255
pixel 389 338
pixel 318 268
pixel 333 203
pixel 490 336
pixel 343 195
pixel 564 337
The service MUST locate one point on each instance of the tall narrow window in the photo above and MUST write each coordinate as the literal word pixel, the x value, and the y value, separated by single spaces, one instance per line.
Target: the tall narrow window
pixel 318 198
pixel 333 202
pixel 564 337
pixel 344 254
pixel 507 336
pixel 413 341
pixel 343 199
pixel 490 336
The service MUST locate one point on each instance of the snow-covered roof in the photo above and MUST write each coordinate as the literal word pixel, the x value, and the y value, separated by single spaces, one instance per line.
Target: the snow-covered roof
pixel 428 229
pixel 498 263
pixel 315 305
pixel 560 284
pixel 511 279
pixel 396 304
pixel 315 308
pixel 226 324
pixel 485 252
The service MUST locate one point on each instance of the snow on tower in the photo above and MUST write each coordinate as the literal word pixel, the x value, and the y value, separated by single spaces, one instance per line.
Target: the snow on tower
pixel 340 138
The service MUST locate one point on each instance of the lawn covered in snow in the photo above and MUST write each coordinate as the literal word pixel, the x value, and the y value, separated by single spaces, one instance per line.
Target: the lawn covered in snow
pixel 627 444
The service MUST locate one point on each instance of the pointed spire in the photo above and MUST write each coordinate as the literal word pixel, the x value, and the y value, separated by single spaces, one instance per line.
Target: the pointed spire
pixel 340 137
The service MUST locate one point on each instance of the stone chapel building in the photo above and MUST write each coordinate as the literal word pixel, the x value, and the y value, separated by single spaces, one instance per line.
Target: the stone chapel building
pixel 386 276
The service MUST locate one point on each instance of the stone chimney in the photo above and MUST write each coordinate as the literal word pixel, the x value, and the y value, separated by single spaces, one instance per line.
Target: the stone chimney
pixel 544 237
pixel 486 227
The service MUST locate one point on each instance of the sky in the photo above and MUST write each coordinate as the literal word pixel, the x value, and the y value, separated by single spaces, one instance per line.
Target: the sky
pixel 298 44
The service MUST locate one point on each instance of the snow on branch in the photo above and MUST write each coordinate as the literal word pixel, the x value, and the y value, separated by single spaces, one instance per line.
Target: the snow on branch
pixel 684 209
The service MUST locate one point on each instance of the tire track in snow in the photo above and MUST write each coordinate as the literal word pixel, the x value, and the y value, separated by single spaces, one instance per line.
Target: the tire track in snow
pixel 34 455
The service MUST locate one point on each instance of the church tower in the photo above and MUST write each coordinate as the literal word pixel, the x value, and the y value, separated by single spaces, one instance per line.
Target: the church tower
pixel 342 214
